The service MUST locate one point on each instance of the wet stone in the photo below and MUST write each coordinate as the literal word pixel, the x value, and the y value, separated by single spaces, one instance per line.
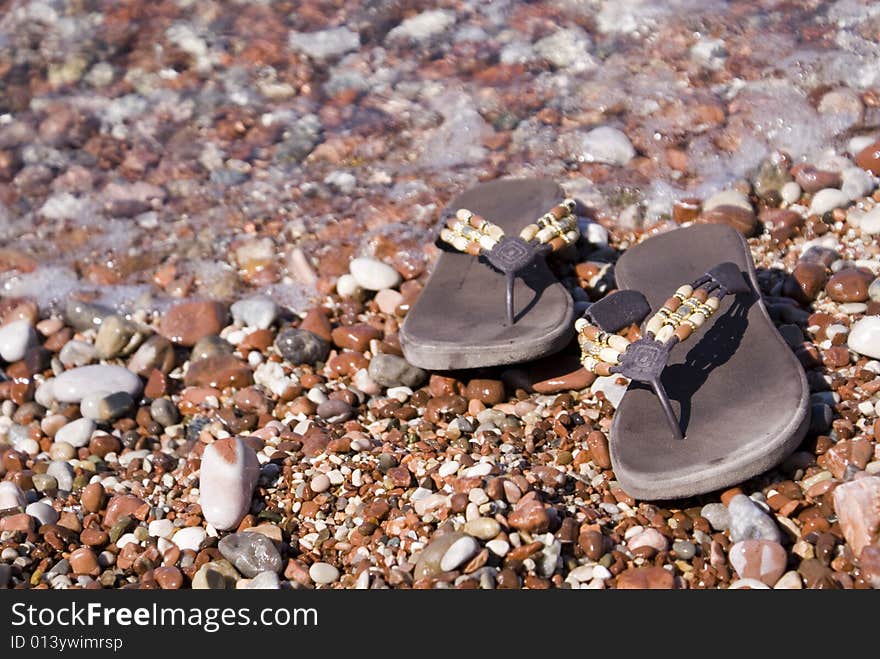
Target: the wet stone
pixel 749 522
pixel 73 385
pixel 251 553
pixel 849 285
pixel 210 346
pixel 298 346
pixel 164 412
pixel 104 407
pixel 219 371
pixel 393 371
pixel 187 322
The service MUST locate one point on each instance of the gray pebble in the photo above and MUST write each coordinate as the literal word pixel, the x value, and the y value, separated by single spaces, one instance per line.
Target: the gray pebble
pixel 250 553
pixel 164 412
pixel 114 336
pixel 684 549
pixel 386 462
pixel 749 522
pixel 335 410
pixel 155 353
pixel 102 406
pixel 392 371
pixel 717 515
pixel 84 315
pixel 77 353
pixel 210 346
pixel 298 346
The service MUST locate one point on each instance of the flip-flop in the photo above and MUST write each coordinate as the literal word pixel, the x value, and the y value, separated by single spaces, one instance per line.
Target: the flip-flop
pixel 716 396
pixel 491 299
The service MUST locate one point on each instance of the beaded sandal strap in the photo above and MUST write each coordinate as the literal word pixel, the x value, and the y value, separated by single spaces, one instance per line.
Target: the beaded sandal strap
pixel 470 233
pixel 605 353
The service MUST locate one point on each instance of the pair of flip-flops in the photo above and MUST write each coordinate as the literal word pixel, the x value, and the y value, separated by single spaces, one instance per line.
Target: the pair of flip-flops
pixel 715 395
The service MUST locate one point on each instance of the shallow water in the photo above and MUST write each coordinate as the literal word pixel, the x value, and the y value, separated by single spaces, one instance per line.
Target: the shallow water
pixel 142 147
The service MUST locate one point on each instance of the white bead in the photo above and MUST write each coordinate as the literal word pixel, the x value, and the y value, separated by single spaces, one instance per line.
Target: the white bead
pixel 618 342
pixel 463 214
pixel 494 231
pixel 460 243
pixel 580 324
pixel 529 232
pixel 571 236
pixel 546 235
pixel 697 319
pixel 713 303
pixel 665 333
pixel 685 291
pixel 654 325
pixel 609 356
pixel 487 243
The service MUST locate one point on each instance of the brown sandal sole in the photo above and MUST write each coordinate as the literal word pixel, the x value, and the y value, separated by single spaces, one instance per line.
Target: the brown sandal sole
pixel 460 320
pixel 740 393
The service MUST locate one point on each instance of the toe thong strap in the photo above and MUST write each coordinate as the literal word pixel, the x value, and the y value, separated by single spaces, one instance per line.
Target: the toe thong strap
pixel 606 353
pixel 475 235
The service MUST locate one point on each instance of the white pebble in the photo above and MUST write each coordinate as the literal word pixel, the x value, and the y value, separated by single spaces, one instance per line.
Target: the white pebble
pixel 603 144
pixel 320 483
pixel 373 275
pixel 190 537
pixel 400 393
pixel 601 572
pixel 347 286
pixel 161 528
pixel 498 547
pixel 448 468
pixel 869 223
pixel 259 312
pixel 11 496
pixel 597 234
pixel 479 469
pixel 76 433
pixel 127 539
pixel 323 573
pixel 73 385
pixel 461 550
pixel 42 512
pixel 790 192
pixel 15 339
pixel 827 200
pixel 229 473
pixel 864 337
pixel 791 580
pixel 856 182
pixel 858 143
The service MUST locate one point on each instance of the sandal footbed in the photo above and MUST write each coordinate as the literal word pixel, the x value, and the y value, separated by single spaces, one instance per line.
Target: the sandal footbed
pixel 737 388
pixel 459 320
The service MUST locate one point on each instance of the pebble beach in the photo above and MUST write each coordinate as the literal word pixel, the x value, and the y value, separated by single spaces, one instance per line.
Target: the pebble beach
pixel 215 217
